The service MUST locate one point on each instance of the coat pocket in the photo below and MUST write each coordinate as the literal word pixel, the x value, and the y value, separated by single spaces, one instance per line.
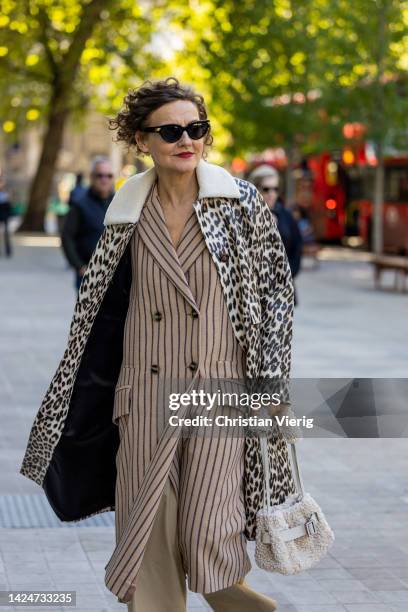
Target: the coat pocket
pixel 122 402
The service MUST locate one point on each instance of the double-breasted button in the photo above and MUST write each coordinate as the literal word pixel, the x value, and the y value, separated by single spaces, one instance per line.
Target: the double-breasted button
pixel 157 316
pixel 194 314
pixel 154 369
pixel 224 257
pixel 193 366
pixel 204 208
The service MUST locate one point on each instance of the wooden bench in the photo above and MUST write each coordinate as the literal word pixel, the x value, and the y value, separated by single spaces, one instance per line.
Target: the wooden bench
pixel 397 264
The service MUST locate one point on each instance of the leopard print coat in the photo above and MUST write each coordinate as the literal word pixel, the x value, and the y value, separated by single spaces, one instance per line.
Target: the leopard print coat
pixel 242 237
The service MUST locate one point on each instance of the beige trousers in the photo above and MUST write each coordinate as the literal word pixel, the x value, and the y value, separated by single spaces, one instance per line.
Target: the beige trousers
pixel 161 582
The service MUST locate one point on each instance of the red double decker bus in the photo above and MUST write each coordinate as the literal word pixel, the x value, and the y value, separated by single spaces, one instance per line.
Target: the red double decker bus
pixel 338 195
pixel 320 190
pixel 336 190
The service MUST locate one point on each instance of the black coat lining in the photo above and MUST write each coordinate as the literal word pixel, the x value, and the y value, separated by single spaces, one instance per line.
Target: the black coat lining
pixel 81 476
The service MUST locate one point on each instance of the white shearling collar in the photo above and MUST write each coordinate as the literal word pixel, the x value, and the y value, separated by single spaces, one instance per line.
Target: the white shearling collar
pixel 127 203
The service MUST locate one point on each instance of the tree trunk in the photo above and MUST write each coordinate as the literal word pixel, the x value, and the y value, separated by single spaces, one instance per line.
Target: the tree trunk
pixel 42 183
pixel 64 75
pixel 378 199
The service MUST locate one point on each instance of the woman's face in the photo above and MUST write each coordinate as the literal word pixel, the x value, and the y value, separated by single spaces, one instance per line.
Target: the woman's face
pixel 269 189
pixel 167 155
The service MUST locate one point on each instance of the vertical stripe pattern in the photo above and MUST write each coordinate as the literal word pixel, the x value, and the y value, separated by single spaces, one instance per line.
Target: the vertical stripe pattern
pixel 177 316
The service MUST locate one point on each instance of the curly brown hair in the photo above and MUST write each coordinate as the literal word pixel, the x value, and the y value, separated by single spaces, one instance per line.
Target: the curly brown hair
pixel 139 103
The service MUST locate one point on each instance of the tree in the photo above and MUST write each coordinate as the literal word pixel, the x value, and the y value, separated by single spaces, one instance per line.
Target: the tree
pixel 58 56
pixel 365 58
pixel 291 74
pixel 259 60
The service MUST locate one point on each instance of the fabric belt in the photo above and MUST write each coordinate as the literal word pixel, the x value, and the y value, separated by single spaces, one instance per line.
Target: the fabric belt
pixel 292 533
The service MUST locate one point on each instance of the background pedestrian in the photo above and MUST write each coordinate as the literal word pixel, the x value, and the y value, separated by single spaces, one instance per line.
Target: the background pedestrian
pixel 84 222
pixel 5 214
pixel 78 191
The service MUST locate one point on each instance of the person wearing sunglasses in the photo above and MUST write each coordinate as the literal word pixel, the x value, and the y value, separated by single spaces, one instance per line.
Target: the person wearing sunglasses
pixel 83 224
pixel 176 299
pixel 187 284
pixel 266 179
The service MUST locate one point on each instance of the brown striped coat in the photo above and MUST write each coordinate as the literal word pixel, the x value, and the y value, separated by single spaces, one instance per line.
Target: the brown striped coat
pixel 177 317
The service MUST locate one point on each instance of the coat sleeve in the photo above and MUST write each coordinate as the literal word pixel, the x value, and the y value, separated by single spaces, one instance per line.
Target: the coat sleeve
pixel 276 291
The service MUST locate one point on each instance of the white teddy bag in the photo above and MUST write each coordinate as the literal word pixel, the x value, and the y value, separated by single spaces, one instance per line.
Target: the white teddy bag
pixel 293 536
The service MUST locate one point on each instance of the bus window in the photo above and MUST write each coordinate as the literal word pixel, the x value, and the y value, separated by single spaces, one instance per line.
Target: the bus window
pixel 396 185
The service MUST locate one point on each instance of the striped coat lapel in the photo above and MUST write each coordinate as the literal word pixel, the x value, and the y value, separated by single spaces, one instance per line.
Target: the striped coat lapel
pixel 153 231
pixel 192 243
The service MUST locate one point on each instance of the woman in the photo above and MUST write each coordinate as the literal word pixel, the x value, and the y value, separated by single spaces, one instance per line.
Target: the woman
pixel 266 179
pixel 189 281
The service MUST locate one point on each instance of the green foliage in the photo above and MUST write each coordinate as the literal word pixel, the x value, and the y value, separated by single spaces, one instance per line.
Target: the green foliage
pixel 258 61
pixel 273 72
pixel 281 73
pixel 366 66
pixel 92 50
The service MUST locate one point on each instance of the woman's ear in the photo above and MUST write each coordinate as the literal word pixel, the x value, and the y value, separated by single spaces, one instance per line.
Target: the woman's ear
pixel 140 138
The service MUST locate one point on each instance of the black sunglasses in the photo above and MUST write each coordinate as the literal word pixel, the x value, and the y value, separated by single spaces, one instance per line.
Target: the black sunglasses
pixel 100 175
pixel 173 132
pixel 268 189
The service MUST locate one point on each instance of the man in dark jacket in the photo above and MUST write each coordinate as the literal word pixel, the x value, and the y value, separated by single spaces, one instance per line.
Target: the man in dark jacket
pixel 266 180
pixel 78 191
pixel 83 224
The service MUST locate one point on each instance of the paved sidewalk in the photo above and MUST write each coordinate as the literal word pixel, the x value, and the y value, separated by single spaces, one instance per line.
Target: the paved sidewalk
pixel 343 328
